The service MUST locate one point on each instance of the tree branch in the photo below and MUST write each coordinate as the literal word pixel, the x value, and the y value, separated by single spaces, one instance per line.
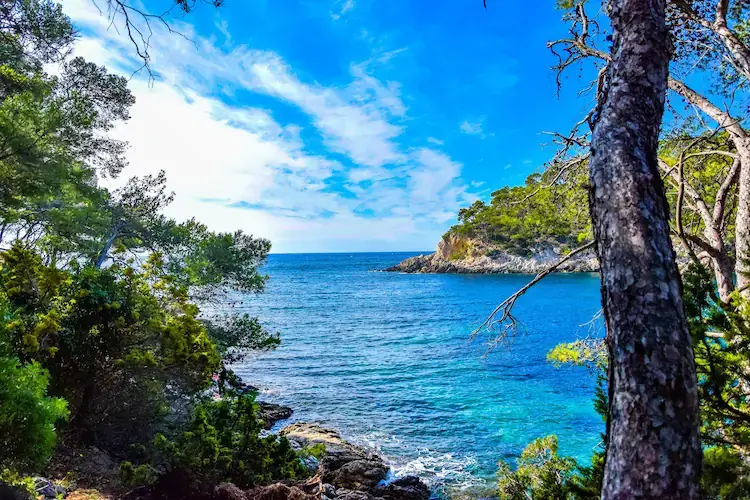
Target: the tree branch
pixel 506 306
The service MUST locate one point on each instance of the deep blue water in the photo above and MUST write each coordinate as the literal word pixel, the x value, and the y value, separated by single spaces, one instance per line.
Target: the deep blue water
pixel 385 359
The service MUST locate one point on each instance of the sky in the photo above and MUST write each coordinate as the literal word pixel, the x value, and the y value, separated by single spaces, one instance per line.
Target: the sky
pixel 338 125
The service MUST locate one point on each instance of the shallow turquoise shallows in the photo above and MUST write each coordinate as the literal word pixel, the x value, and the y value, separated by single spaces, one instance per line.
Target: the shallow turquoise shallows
pixel 385 359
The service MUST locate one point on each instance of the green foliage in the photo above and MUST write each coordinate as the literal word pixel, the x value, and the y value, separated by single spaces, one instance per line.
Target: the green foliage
pixel 317 450
pixel 540 474
pixel 112 339
pixel 222 443
pixel 720 338
pixel 585 352
pixel 99 289
pixel 27 416
pixel 237 334
pixel 543 212
pixel 137 475
pixel 18 482
pixel 725 474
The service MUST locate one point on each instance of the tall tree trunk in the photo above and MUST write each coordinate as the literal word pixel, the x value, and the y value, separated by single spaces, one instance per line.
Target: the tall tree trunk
pixel 653 449
pixel 742 222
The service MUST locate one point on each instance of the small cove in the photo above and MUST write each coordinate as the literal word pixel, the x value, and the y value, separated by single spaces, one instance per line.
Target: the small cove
pixel 384 358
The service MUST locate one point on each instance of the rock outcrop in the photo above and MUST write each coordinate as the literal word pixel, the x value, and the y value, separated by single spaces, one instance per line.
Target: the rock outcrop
pixel 404 488
pixel 349 472
pixel 271 413
pixel 460 255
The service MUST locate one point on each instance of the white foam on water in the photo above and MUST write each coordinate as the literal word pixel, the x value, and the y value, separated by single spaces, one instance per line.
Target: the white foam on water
pixel 444 472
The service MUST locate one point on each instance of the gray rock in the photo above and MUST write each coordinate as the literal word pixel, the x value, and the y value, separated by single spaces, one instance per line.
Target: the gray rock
pixel 228 491
pixel 404 488
pixel 329 490
pixel 345 494
pixel 337 451
pixel 358 475
pixel 278 491
pixel 271 413
pixel 47 489
pixel 350 472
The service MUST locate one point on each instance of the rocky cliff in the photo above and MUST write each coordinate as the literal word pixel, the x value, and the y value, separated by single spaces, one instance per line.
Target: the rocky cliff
pixel 456 254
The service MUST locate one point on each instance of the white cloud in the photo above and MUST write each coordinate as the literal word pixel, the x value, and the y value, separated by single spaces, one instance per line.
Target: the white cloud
pixel 235 167
pixel 472 128
pixel 346 6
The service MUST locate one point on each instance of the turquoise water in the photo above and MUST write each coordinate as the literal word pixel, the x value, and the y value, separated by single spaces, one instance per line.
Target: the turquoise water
pixel 385 359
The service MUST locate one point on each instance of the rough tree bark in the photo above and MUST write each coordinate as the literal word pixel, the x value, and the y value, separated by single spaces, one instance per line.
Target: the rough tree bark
pixel 742 221
pixel 653 449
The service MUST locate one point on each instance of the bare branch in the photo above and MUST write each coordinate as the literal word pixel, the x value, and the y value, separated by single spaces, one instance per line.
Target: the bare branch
pixel 506 306
pixel 566 166
pixel 721 195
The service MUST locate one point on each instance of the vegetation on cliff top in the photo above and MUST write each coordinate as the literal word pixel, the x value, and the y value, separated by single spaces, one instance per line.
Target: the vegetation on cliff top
pixel 550 209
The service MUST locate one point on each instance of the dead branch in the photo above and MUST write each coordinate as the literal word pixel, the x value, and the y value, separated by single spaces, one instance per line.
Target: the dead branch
pixel 506 307
pixel 566 166
pixel 137 23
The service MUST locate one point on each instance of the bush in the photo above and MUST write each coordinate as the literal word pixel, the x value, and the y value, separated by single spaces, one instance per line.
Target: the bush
pixel 121 346
pixel 541 474
pixel 27 417
pixel 222 443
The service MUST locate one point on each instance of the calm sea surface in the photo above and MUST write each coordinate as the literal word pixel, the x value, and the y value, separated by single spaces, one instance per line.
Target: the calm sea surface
pixel 385 359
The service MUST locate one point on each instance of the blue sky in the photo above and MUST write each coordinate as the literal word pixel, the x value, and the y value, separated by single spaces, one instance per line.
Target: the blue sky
pixel 339 125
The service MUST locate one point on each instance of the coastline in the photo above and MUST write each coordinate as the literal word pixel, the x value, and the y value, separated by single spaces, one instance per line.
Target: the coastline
pixel 496 263
pixel 340 469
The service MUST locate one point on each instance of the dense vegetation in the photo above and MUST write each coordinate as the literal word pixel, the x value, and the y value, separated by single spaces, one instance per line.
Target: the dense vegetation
pixel 550 209
pixel 104 336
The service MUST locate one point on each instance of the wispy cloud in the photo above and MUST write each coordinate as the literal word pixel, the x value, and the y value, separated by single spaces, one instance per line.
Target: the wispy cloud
pixel 343 7
pixel 473 127
pixel 236 166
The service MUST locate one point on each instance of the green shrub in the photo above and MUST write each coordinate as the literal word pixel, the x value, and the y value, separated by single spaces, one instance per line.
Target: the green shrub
pixel 317 450
pixel 222 442
pixel 541 473
pixel 136 475
pixel 120 344
pixel 725 474
pixel 27 416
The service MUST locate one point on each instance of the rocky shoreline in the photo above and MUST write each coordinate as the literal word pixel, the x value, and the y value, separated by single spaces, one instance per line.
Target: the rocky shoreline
pixel 466 256
pixel 339 470
pixel 342 471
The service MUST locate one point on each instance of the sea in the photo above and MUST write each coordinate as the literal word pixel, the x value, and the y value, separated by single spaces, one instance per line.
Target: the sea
pixel 386 359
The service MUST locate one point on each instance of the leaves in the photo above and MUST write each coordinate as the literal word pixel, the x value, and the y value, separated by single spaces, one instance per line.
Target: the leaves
pixel 27 416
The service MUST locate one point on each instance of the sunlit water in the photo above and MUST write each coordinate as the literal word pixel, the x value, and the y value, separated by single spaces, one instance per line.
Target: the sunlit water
pixel 385 359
